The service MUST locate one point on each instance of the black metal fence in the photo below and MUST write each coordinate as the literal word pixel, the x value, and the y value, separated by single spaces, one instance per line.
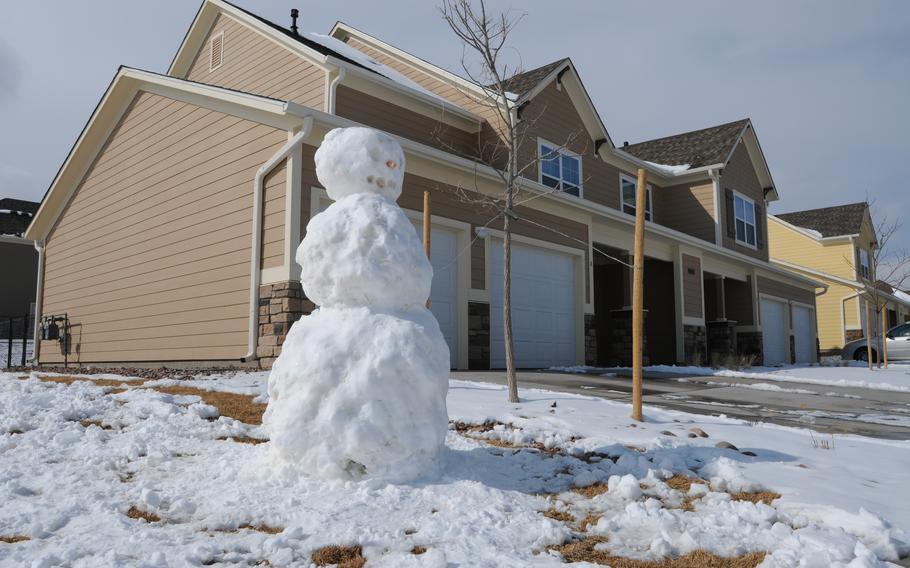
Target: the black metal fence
pixel 16 345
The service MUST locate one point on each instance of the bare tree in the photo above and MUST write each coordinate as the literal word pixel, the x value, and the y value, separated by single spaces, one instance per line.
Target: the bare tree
pixel 484 37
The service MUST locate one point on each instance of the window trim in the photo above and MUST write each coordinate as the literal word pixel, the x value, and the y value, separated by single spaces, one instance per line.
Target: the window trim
pixel 754 223
pixel 649 197
pixel 562 151
pixel 868 266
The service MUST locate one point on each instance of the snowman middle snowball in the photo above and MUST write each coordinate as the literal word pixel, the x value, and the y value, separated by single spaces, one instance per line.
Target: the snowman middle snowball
pixel 359 388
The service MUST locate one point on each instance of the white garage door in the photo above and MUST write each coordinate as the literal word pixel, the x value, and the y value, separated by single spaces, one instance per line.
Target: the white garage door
pixel 774 331
pixel 543 307
pixel 444 293
pixel 804 335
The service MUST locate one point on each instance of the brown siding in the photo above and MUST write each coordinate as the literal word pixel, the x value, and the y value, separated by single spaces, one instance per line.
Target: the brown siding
pixel 150 259
pixel 692 286
pixel 392 118
pixel 688 208
pixel 255 64
pixel 786 291
pixel 740 176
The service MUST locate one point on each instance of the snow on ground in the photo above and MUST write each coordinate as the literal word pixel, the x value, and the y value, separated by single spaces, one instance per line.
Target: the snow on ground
pixel 75 458
pixel 16 352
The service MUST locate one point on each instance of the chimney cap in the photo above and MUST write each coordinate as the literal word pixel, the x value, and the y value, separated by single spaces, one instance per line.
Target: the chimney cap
pixel 294 14
pixel 626 143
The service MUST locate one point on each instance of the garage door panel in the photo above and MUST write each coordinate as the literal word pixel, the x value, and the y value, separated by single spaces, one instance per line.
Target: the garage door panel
pixel 775 334
pixel 543 307
pixel 804 335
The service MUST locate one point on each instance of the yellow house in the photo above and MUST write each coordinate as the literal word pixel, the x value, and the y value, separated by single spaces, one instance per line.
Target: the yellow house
pixel 835 245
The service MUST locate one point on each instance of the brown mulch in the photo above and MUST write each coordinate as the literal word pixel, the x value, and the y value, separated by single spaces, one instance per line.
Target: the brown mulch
pixel 591 491
pixel 342 556
pixel 135 513
pixel 585 551
pixel 14 538
pixel 138 372
pixel 766 497
pixel 238 406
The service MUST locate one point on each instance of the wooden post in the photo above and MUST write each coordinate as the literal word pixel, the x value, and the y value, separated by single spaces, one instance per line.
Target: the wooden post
pixel 869 326
pixel 638 294
pixel 884 336
pixel 426 228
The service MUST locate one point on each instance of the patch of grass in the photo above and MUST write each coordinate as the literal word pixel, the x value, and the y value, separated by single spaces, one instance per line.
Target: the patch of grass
pixel 136 513
pixel 589 520
pixel 70 379
pixel 592 491
pixel 585 551
pixel 342 556
pixel 87 423
pixel 684 482
pixel 766 497
pixel 263 528
pixel 558 515
pixel 238 406
pixel 13 539
pixel 244 440
pixel 469 428
pixel 418 550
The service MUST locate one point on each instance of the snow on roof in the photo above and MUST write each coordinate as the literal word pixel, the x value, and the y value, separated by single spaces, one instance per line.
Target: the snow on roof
pixel 902 296
pixel 365 60
pixel 669 170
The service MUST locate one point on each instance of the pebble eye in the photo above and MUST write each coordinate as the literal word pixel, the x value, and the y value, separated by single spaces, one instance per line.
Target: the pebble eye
pixel 391 164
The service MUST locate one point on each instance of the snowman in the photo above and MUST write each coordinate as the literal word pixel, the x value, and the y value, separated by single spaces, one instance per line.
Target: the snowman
pixel 359 388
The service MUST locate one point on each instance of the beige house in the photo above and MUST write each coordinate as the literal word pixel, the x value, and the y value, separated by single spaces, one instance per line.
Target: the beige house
pixel 836 246
pixel 168 235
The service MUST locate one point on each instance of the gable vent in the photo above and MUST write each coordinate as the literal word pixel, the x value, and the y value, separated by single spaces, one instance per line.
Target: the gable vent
pixel 216 52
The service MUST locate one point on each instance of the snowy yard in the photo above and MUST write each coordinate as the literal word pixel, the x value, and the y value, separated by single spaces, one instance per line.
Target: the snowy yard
pixel 95 473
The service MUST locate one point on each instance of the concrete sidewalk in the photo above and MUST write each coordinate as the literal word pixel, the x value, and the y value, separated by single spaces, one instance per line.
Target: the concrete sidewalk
pixel 829 409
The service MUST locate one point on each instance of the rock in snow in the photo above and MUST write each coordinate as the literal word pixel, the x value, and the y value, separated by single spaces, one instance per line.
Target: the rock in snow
pixel 360 386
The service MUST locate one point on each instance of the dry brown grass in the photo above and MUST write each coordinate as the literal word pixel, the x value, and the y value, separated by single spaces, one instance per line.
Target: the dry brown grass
pixel 70 379
pixel 238 406
pixel 14 538
pixel 342 556
pixel 588 520
pixel 468 428
pixel 684 482
pixel 244 440
pixel 585 551
pixel 558 515
pixel 135 513
pixel 261 528
pixel 87 423
pixel 766 497
pixel 418 550
pixel 591 491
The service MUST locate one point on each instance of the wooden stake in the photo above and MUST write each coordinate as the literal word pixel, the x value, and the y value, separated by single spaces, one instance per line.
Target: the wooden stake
pixel 884 337
pixel 426 228
pixel 638 294
pixel 869 325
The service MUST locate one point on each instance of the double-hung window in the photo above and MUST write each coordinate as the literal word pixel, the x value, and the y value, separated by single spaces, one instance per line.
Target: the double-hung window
pixel 628 187
pixel 559 168
pixel 864 264
pixel 744 213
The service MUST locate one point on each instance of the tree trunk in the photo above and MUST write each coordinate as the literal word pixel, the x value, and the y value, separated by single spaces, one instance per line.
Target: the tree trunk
pixel 511 374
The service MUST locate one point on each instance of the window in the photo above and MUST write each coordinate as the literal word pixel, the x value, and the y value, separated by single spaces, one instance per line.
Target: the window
pixel 744 213
pixel 560 169
pixel 864 266
pixel 628 186
pixel 216 51
pixel 902 331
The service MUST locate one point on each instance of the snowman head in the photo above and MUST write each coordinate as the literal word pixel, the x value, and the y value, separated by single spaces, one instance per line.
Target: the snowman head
pixel 360 160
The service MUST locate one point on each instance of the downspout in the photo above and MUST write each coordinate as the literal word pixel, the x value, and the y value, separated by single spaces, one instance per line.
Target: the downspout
pixel 718 229
pixel 333 87
pixel 256 256
pixel 39 296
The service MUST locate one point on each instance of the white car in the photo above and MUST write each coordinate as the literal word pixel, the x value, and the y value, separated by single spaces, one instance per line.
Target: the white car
pixel 898 341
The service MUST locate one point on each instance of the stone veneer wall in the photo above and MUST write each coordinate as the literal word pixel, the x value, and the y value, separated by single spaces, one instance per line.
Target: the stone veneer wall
pixel 478 336
pixel 621 335
pixel 695 344
pixel 751 343
pixel 721 341
pixel 853 334
pixel 590 340
pixel 280 305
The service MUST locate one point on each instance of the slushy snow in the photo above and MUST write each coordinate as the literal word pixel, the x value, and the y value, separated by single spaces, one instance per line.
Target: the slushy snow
pixel 360 386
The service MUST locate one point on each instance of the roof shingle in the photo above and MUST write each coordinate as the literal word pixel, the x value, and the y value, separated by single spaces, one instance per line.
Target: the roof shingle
pixel 523 83
pixel 830 221
pixel 698 148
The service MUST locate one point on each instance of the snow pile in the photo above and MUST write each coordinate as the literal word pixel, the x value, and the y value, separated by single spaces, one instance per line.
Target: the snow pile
pixel 668 169
pixel 359 388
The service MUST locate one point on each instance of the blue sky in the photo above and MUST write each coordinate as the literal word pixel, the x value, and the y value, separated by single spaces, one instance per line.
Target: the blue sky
pixel 826 83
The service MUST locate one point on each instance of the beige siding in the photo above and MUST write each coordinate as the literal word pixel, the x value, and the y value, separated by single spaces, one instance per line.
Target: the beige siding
pixel 392 118
pixel 256 64
pixel 273 200
pixel 739 175
pixel 786 291
pixel 693 297
pixel 150 259
pixel 688 208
